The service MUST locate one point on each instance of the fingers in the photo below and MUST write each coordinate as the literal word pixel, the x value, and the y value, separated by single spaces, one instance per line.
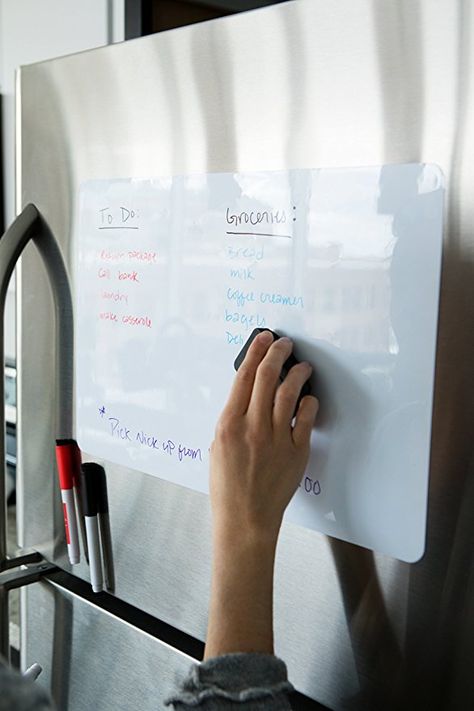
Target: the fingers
pixel 241 391
pixel 288 393
pixel 267 378
pixel 305 418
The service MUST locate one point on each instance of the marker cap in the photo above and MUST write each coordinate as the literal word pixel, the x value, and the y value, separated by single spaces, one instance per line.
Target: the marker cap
pixel 102 500
pixel 68 461
pixel 92 489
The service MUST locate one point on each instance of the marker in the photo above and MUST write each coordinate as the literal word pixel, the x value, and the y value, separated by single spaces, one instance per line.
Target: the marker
pixel 104 528
pixel 76 479
pixel 75 467
pixel 89 493
pixel 66 458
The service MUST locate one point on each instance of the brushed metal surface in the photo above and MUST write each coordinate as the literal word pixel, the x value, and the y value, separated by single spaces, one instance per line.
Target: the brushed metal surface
pixel 92 660
pixel 302 85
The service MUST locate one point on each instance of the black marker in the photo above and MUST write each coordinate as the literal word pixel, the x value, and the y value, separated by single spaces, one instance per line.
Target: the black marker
pixel 287 365
pixel 104 528
pixel 90 484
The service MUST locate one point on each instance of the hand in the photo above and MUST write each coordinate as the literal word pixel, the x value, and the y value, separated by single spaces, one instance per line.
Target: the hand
pixel 258 456
pixel 257 460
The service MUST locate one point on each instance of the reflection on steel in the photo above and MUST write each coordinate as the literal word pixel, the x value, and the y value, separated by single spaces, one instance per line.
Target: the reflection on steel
pixel 302 85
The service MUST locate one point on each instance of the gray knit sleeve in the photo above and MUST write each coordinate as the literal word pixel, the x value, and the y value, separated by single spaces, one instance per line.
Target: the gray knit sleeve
pixel 16 694
pixel 254 682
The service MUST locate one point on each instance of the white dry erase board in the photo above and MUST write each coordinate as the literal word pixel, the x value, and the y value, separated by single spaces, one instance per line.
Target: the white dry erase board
pixel 173 273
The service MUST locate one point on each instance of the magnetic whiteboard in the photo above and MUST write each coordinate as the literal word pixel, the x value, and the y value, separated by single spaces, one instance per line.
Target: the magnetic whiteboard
pixel 173 273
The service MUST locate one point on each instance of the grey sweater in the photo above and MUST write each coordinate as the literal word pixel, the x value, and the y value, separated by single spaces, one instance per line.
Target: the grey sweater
pixel 240 682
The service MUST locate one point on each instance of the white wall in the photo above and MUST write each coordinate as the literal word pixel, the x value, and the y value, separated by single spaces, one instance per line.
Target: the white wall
pixel 32 31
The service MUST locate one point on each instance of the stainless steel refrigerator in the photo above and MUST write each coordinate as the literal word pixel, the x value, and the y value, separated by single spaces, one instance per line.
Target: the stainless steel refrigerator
pixel 303 84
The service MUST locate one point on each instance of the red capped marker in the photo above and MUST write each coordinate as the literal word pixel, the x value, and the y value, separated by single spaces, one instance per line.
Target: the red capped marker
pixel 66 458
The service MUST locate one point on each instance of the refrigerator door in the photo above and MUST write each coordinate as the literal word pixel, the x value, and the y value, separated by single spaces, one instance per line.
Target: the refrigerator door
pixel 301 85
pixel 92 660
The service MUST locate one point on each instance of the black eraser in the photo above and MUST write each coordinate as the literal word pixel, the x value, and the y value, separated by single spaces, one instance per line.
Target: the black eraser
pixel 289 363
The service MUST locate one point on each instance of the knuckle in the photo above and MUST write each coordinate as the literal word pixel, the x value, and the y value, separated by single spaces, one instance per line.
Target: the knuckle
pixel 280 350
pixel 226 429
pixel 269 370
pixel 299 372
pixel 245 373
pixel 287 396
pixel 296 378
pixel 282 344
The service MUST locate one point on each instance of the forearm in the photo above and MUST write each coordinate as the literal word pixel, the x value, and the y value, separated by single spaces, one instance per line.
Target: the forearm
pixel 241 607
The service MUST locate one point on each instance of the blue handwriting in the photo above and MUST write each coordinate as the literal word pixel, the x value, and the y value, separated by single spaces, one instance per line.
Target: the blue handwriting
pixel 245 273
pixel 249 321
pixel 118 430
pixel 241 297
pixel 253 253
pixel 148 440
pixel 234 339
pixel 283 299
pixel 188 452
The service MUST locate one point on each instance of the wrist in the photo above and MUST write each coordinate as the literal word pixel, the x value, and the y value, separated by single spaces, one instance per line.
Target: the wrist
pixel 240 617
pixel 231 536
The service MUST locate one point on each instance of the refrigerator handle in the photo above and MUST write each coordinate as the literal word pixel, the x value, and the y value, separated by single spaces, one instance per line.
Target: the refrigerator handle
pixel 31 572
pixel 30 225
